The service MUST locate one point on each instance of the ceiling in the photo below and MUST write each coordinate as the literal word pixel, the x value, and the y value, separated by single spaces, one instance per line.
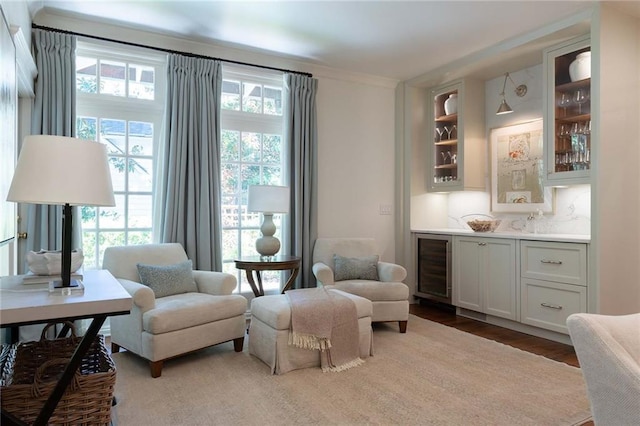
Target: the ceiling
pixel 393 39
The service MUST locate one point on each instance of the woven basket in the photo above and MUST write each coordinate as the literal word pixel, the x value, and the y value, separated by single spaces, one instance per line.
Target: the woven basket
pixel 30 374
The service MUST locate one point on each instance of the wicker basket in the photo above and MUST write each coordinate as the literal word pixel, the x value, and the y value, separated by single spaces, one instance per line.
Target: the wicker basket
pixel 31 372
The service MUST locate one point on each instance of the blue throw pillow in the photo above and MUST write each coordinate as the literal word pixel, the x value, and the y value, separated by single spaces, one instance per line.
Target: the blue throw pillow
pixel 166 280
pixel 355 268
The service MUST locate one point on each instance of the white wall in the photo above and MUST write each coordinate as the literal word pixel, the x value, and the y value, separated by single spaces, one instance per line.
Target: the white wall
pixel 356 162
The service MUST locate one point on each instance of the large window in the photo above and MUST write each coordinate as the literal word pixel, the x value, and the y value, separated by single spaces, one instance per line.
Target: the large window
pixel 252 153
pixel 120 102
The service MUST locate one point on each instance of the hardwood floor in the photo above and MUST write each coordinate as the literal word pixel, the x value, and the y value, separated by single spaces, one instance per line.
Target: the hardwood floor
pixel 446 315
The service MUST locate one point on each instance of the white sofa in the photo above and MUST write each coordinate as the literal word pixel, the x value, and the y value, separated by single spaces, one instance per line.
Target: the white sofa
pixel 389 295
pixel 608 349
pixel 165 327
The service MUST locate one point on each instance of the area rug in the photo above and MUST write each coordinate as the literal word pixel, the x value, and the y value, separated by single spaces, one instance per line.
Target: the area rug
pixel 432 375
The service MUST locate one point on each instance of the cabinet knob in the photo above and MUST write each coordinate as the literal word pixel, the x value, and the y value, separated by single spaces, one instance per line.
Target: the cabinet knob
pixel 22 235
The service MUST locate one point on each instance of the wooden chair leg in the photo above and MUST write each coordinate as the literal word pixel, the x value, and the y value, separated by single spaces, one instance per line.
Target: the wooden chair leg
pixel 156 368
pixel 238 344
pixel 403 326
pixel 115 348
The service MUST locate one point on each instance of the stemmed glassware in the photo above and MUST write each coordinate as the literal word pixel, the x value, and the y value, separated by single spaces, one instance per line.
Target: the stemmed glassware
pixel 580 97
pixel 563 102
pixel 440 132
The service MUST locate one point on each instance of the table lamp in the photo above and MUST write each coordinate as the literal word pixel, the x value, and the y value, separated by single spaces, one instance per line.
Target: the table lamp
pixel 268 199
pixel 63 171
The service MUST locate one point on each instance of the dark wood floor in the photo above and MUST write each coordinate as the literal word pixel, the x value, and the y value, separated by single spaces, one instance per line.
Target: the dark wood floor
pixel 446 315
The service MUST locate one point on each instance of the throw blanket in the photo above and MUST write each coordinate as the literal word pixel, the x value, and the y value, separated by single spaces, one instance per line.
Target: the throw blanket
pixel 325 321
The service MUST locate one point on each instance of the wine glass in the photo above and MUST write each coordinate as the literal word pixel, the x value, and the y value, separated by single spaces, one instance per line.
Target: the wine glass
pixel 440 132
pixel 580 96
pixel 448 129
pixel 563 102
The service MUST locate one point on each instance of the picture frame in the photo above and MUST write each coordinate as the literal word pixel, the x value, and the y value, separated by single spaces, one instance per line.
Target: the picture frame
pixel 517 156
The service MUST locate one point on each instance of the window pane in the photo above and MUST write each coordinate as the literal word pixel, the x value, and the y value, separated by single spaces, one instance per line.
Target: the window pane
pixel 86 76
pixel 250 150
pixel 248 241
pixel 230 150
pixel 112 134
pixel 271 148
pixel 140 138
pixel 108 239
pixel 272 100
pixel 113 217
pixel 89 250
pixel 230 178
pixel 230 212
pixel 112 78
pixel 140 175
pixel 87 128
pixel 231 95
pixel 88 215
pixel 140 211
pixel 251 219
pixel 271 175
pixel 117 168
pixel 252 98
pixel 230 244
pixel 250 176
pixel 141 81
pixel 139 237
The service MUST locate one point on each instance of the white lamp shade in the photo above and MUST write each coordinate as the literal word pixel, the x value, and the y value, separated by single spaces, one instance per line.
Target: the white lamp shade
pixel 268 199
pixel 62 170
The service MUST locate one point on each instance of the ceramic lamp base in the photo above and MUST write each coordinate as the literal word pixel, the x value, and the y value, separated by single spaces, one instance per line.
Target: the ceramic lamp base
pixel 268 245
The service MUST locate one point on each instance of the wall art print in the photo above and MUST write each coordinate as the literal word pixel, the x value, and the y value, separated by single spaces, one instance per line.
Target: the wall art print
pixel 517 156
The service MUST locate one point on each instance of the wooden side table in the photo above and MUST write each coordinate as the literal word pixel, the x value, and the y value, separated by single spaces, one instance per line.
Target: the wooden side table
pixel 258 264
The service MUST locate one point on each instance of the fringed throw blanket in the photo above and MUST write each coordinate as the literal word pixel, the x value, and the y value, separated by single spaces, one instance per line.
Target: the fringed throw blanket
pixel 325 321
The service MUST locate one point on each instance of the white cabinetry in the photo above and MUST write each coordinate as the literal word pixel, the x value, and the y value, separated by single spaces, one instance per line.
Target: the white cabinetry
pixel 567 115
pixel 553 283
pixel 456 141
pixel 485 276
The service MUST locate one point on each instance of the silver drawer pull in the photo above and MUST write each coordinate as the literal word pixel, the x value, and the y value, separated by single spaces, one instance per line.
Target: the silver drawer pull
pixel 551 305
pixel 553 262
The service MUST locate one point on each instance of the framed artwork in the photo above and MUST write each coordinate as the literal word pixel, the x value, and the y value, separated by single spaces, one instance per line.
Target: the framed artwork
pixel 8 111
pixel 517 157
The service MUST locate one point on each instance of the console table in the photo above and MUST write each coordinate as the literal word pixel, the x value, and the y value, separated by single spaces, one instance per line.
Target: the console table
pixel 258 264
pixel 24 304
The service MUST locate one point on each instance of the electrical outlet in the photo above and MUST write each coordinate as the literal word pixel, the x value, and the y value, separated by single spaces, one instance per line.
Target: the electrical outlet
pixel 385 209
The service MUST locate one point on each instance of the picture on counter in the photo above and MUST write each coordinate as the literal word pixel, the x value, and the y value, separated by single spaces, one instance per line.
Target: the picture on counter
pixel 517 157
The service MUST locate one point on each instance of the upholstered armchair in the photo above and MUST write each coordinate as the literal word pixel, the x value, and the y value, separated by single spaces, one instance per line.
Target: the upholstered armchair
pixel 352 265
pixel 608 349
pixel 179 310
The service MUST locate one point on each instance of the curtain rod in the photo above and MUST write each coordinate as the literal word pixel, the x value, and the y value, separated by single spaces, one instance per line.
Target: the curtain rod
pixel 192 55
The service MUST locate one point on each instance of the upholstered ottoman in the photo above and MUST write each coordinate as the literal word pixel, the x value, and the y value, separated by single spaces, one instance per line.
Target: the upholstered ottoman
pixel 269 333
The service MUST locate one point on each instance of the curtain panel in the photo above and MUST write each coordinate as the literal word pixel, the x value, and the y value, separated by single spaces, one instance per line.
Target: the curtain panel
pixel 302 133
pixel 190 189
pixel 54 113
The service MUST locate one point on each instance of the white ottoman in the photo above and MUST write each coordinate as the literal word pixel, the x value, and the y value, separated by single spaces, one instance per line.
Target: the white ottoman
pixel 269 333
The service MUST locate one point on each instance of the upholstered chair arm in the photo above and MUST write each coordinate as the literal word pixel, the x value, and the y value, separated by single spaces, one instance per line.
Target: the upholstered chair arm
pixel 390 272
pixel 323 273
pixel 216 283
pixel 143 296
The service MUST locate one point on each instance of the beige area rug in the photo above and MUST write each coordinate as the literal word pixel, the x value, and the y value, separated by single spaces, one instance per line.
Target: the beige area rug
pixel 432 375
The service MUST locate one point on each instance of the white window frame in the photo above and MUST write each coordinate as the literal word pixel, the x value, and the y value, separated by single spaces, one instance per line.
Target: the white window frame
pixel 264 124
pixel 125 108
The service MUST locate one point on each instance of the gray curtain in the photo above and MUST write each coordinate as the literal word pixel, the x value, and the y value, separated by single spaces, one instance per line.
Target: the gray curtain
pixel 191 160
pixel 302 133
pixel 54 113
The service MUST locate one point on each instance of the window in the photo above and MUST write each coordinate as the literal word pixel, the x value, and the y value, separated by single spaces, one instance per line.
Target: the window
pixel 120 103
pixel 253 152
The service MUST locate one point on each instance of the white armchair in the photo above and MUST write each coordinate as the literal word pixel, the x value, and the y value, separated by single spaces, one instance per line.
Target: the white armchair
pixel 388 294
pixel 608 349
pixel 159 328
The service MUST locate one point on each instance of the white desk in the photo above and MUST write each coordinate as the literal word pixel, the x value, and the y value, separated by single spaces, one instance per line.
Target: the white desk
pixel 23 304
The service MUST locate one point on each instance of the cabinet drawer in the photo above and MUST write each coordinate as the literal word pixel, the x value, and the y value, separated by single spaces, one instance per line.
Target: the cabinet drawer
pixel 547 305
pixel 561 262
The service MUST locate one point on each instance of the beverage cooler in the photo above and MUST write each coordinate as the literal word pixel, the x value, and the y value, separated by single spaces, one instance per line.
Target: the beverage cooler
pixel 433 278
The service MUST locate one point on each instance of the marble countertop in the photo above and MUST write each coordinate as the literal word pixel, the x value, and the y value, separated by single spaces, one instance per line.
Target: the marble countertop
pixel 571 238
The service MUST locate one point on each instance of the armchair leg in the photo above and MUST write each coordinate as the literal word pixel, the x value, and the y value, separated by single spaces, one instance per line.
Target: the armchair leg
pixel 238 344
pixel 115 348
pixel 156 368
pixel 403 326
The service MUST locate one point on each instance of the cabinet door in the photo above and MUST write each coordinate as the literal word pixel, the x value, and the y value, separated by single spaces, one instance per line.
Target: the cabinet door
pixel 567 104
pixel 456 138
pixel 499 276
pixel 467 289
